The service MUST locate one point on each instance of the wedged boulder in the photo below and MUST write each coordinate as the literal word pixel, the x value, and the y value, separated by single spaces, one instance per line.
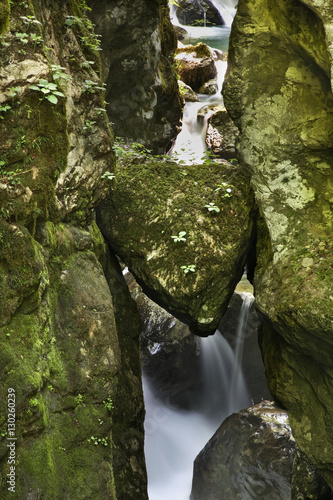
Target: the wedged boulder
pixel 184 232
pixel 196 12
pixel 195 65
pixel 222 133
pixel 169 351
pixel 250 456
pixel 282 103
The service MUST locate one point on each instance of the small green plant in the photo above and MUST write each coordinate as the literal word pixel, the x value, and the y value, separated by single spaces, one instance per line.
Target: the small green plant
pixel 59 74
pixel 96 441
pixel 108 175
pixel 22 37
pixel 48 89
pixel 50 388
pixel 92 41
pixel 79 400
pixel 73 20
pixel 13 91
pixel 90 87
pixel 99 111
pixel 227 188
pixel 87 64
pixel 36 39
pixel 188 269
pixel 30 20
pixel 33 402
pixel 180 237
pixel 88 125
pixel 211 207
pixel 108 404
pixel 3 109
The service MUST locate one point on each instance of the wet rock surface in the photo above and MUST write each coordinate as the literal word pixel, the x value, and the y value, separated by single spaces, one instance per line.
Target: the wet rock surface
pixel 249 457
pixel 195 65
pixel 138 42
pixel 197 12
pixel 282 104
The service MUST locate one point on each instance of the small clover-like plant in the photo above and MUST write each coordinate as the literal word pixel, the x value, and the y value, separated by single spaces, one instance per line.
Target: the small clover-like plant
pixel 227 188
pixel 108 175
pixel 108 403
pixel 88 125
pixel 30 20
pixel 188 269
pixel 48 89
pixel 211 207
pixel 180 237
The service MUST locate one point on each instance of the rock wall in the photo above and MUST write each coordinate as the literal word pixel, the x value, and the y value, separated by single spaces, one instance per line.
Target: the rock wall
pixel 278 91
pixel 70 369
pixel 137 61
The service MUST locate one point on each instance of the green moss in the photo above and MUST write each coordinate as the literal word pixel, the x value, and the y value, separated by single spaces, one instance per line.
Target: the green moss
pixel 152 202
pixel 4 16
pixel 201 50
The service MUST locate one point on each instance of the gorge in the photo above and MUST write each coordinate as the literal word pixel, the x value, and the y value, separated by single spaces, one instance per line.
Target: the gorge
pixel 82 82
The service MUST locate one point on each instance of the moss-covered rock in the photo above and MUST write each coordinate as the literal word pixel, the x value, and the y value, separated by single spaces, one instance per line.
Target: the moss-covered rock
pixel 138 45
pixel 63 354
pixel 50 150
pixel 184 232
pixel 196 65
pixel 278 90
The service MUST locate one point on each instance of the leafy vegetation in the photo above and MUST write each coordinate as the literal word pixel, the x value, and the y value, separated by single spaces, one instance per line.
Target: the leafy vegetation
pixel 180 237
pixel 48 89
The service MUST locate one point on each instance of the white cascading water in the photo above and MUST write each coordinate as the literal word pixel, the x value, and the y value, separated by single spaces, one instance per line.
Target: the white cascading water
pixel 175 436
pixel 190 145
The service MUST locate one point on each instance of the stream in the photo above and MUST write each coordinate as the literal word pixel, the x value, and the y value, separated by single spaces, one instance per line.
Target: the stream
pixel 190 145
pixel 174 436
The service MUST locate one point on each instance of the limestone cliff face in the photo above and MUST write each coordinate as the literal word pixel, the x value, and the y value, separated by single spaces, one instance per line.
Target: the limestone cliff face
pixel 137 61
pixel 279 93
pixel 66 351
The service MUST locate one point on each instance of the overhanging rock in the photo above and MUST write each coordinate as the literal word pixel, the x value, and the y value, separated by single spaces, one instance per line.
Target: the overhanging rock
pixel 184 232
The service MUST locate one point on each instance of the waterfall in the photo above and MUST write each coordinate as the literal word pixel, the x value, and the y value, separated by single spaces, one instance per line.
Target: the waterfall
pixel 237 382
pixel 175 436
pixel 190 145
pixel 227 9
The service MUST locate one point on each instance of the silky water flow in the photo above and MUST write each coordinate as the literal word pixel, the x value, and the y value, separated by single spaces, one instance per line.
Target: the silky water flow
pixel 174 436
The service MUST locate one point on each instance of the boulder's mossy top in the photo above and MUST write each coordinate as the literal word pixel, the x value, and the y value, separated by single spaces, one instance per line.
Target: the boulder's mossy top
pixel 154 202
